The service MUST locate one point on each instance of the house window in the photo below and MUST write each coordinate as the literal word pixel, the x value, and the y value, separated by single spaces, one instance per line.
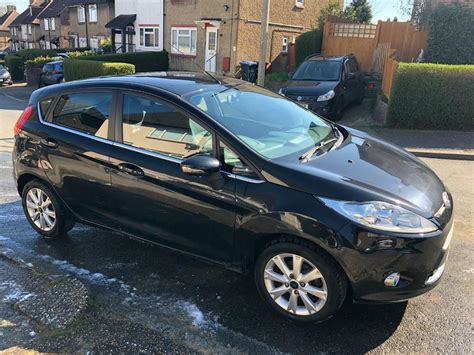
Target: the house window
pixel 183 40
pixel 93 13
pixel 53 24
pixel 46 24
pixel 28 29
pixel 81 14
pixel 149 37
pixel 49 24
pixel 284 47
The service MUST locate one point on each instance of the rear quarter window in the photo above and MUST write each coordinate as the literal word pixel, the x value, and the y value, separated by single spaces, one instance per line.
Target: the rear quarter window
pixel 44 106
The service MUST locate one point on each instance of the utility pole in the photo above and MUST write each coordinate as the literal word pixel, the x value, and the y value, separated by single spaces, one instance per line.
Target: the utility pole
pixel 263 42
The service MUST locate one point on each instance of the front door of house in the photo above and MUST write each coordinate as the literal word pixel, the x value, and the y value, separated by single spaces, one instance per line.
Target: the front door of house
pixel 211 49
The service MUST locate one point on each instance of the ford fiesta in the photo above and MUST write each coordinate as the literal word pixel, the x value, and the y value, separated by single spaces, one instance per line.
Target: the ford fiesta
pixel 233 173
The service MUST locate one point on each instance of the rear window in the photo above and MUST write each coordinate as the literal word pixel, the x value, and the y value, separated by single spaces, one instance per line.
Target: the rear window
pixel 49 67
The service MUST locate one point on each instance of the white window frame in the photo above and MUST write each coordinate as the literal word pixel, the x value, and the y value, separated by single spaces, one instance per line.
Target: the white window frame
pixel 177 33
pixel 154 30
pixel 53 24
pixel 285 45
pixel 28 28
pixel 81 14
pixel 46 24
pixel 92 13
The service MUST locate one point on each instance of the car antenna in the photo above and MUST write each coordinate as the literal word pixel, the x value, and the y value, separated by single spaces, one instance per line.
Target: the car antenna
pixel 197 65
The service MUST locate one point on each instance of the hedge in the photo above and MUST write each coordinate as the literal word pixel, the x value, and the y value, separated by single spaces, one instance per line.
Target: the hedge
pixel 15 66
pixel 32 53
pixel 38 62
pixel 432 96
pixel 75 69
pixel 451 39
pixel 143 61
pixel 308 43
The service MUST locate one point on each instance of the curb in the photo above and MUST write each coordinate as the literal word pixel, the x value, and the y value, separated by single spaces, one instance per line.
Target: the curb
pixel 442 155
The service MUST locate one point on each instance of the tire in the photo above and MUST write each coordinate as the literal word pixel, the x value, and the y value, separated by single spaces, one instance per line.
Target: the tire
pixel 332 281
pixel 51 220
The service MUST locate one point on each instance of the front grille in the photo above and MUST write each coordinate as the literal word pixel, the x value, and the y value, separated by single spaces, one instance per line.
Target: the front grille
pixel 301 98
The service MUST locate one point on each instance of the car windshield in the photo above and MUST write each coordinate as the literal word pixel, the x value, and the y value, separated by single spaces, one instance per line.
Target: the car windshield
pixel 268 123
pixel 320 70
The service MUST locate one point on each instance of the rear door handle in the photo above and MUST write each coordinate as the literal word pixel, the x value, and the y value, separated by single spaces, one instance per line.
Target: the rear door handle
pixel 131 169
pixel 49 142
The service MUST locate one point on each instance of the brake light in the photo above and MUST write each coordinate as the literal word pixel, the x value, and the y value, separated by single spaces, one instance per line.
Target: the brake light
pixel 25 116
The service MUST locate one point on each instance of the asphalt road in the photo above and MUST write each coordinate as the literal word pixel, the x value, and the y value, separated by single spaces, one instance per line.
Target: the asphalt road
pixel 140 298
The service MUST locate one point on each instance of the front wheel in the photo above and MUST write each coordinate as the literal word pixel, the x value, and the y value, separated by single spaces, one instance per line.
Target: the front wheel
pixel 45 212
pixel 300 282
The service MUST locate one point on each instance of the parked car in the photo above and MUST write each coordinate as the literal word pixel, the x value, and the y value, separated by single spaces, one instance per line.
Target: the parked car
pixel 3 55
pixel 52 73
pixel 326 85
pixel 5 76
pixel 234 173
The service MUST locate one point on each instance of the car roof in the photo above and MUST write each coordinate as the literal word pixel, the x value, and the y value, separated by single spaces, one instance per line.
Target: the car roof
pixel 178 83
pixel 330 58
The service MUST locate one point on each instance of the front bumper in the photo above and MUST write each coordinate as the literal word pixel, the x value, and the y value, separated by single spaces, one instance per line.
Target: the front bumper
pixel 421 262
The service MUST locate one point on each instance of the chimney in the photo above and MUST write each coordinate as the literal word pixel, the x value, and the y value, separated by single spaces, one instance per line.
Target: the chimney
pixel 11 8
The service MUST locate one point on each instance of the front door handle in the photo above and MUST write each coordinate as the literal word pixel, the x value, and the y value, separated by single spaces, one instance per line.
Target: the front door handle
pixel 49 142
pixel 131 169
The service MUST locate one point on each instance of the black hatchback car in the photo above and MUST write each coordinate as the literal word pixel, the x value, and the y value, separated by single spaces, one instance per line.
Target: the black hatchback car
pixel 234 173
pixel 326 85
pixel 52 73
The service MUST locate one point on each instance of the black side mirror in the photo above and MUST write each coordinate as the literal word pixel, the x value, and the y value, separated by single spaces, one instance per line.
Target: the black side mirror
pixel 201 164
pixel 350 76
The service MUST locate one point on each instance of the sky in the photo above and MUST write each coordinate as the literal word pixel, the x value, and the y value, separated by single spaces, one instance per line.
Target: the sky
pixel 381 9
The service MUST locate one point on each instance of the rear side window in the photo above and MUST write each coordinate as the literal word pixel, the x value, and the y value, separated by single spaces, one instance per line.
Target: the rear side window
pixel 45 105
pixel 84 112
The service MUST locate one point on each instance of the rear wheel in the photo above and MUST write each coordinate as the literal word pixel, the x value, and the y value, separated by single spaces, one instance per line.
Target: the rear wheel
pixel 300 282
pixel 44 211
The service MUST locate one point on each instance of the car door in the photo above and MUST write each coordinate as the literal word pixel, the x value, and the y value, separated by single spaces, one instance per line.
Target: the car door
pixel 350 83
pixel 74 150
pixel 153 198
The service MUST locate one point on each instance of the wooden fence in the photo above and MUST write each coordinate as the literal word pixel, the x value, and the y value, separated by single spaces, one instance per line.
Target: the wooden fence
pixel 389 72
pixel 373 44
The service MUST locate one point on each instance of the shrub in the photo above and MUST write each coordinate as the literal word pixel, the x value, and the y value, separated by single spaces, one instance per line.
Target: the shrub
pixel 450 39
pixel 15 66
pixel 75 69
pixel 432 96
pixel 308 43
pixel 143 61
pixel 32 53
pixel 75 54
pixel 38 62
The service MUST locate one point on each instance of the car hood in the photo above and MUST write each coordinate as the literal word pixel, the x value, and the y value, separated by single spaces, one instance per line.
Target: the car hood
pixel 307 87
pixel 363 168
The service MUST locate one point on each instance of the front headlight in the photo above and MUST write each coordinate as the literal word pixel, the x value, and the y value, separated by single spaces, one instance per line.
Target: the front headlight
pixel 327 96
pixel 382 216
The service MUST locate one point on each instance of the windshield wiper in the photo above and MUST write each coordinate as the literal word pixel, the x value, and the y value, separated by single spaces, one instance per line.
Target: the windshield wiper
pixel 306 156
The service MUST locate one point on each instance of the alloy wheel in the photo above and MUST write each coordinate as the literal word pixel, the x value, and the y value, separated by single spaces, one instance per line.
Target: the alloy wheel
pixel 295 284
pixel 40 209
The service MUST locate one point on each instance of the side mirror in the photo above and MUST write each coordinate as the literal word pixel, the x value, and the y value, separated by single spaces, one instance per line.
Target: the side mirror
pixel 201 164
pixel 350 76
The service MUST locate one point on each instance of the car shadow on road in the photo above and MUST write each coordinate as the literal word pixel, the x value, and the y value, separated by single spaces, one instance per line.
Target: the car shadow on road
pixel 226 296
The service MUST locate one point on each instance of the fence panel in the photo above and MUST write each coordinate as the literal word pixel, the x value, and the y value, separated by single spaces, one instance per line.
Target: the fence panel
pixel 389 73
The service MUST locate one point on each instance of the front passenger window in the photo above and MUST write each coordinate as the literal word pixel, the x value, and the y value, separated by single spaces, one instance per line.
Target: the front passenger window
pixel 157 126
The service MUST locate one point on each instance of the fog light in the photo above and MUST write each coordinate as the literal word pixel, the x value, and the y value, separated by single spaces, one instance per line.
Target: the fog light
pixel 392 279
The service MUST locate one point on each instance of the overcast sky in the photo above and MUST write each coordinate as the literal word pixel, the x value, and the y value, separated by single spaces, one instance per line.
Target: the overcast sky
pixel 381 9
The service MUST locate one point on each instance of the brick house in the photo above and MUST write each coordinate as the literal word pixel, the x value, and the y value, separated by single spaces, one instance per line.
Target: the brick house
pixel 5 20
pixel 218 34
pixel 75 23
pixel 25 29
